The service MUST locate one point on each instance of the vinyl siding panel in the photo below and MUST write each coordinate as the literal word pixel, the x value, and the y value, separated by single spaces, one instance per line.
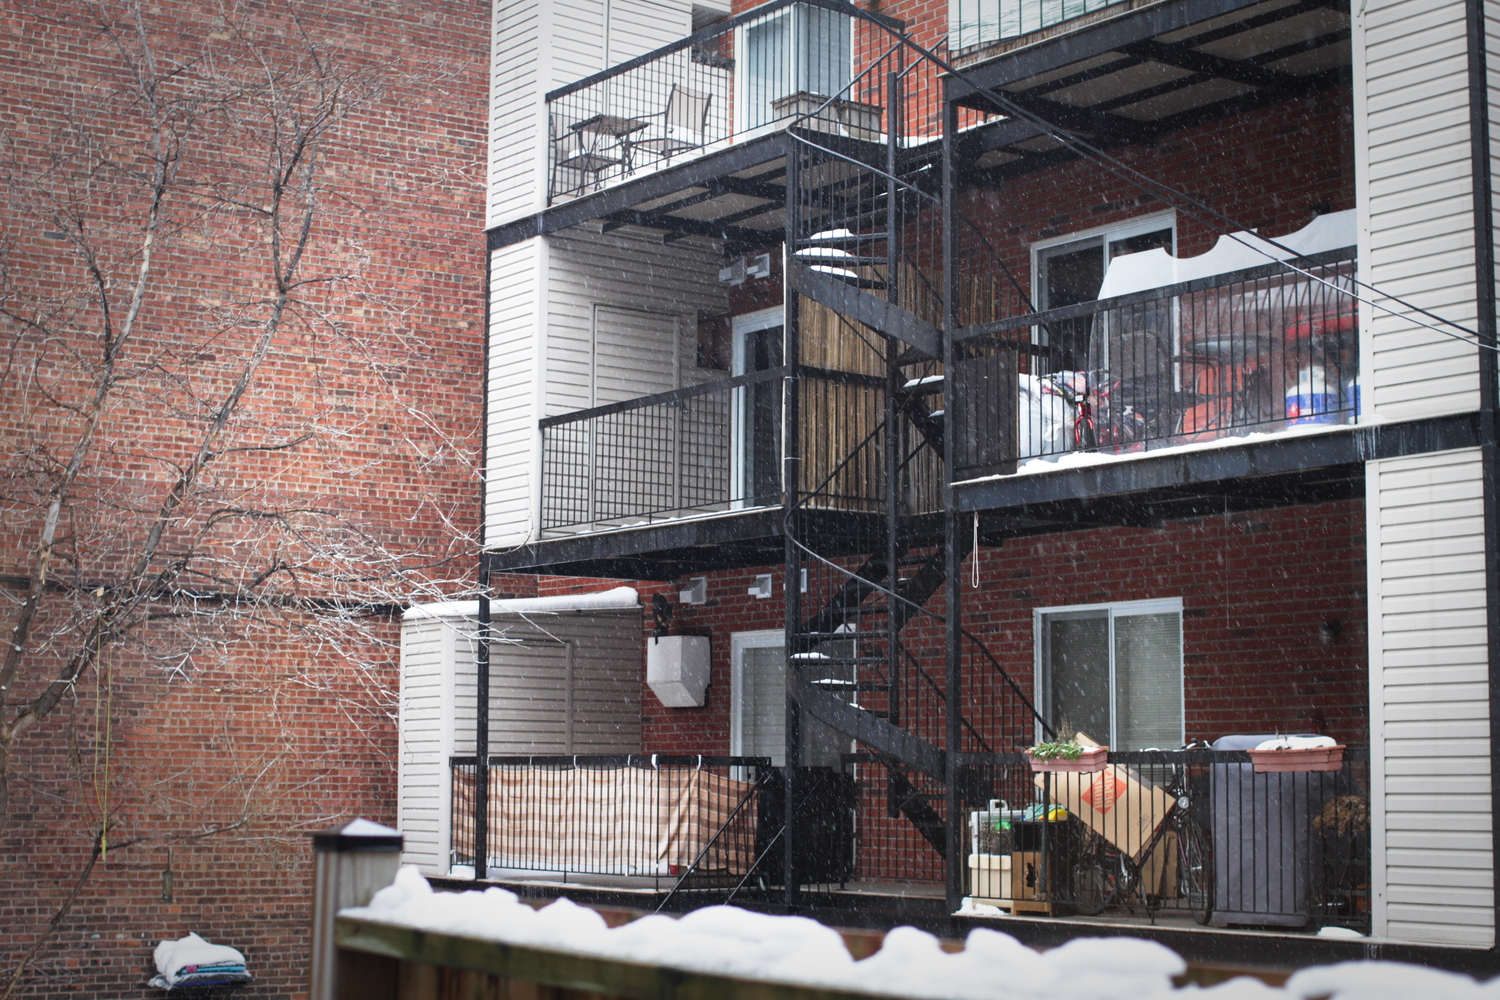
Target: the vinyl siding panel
pixel 665 287
pixel 529 695
pixel 512 394
pixel 1429 701
pixel 1412 142
pixel 426 737
pixel 516 76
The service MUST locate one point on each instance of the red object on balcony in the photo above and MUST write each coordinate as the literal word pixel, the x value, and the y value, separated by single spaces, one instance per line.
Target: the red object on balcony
pixel 1303 759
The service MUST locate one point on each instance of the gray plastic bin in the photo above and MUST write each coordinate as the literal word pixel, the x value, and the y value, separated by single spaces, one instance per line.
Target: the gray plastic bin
pixel 1265 854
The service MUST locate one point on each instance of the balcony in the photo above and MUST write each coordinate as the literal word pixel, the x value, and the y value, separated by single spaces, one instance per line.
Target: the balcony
pixel 1257 351
pixel 820 65
pixel 716 449
pixel 1171 837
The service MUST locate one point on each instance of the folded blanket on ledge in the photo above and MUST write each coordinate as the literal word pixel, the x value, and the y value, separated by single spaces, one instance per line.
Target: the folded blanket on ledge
pixel 192 961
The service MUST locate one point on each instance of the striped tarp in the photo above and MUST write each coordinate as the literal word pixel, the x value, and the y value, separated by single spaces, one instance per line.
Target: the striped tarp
pixel 621 821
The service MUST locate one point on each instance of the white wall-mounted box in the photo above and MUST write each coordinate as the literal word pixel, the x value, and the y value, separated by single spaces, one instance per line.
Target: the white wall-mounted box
pixel 677 669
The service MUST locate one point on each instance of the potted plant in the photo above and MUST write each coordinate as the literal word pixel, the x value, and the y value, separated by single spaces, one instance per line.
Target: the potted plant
pixel 1285 756
pixel 1067 755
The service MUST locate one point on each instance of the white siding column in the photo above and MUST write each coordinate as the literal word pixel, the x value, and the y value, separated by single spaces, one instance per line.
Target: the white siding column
pixel 1433 862
pixel 426 735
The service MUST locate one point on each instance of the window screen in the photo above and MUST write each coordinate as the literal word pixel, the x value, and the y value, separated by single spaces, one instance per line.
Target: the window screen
pixel 1078 655
pixel 1148 681
pixel 762 708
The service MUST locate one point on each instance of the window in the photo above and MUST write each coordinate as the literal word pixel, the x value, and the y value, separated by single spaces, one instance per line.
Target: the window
pixel 802 49
pixel 757 409
pixel 757 724
pixel 1070 270
pixel 1113 671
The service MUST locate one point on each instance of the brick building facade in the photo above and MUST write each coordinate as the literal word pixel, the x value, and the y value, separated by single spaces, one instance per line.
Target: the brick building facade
pixel 1255 586
pixel 215 767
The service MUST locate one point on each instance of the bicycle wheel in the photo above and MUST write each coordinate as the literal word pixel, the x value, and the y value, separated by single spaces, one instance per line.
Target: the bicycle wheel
pixel 1097 880
pixel 1195 877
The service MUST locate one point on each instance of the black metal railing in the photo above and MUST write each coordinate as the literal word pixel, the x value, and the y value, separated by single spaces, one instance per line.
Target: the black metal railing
pixel 677 819
pixel 1258 350
pixel 979 22
pixel 1189 835
pixel 821 65
pixel 708 448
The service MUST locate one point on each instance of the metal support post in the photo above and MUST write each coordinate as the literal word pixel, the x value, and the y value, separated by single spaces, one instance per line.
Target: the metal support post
pixel 1480 153
pixel 791 485
pixel 482 732
pixel 955 860
pixel 893 350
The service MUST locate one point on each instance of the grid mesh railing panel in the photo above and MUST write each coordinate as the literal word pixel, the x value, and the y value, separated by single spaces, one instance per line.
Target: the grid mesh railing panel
pixel 1190 834
pixel 979 22
pixel 819 65
pixel 1255 351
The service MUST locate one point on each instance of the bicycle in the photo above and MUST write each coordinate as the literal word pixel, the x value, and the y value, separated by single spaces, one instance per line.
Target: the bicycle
pixel 1104 876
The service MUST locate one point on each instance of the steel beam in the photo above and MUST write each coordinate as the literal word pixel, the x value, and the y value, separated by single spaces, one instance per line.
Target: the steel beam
pixel 628 194
pixel 1282 455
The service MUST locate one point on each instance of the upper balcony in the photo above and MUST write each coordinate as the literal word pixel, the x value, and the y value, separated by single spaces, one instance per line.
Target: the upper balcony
pixel 820 65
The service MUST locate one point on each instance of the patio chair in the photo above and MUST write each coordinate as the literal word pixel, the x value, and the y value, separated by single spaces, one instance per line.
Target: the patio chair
pixel 685 119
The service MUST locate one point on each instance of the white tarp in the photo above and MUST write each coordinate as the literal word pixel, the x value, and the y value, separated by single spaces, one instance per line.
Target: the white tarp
pixel 1156 268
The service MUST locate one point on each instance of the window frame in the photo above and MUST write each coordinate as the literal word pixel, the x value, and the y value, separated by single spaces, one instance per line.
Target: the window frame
pixel 1103 236
pixel 796 71
pixel 738 643
pixel 1113 609
pixel 739 327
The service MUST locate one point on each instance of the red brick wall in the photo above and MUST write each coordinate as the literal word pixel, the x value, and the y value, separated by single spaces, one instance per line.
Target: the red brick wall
pixel 1255 588
pixel 1266 169
pixel 220 766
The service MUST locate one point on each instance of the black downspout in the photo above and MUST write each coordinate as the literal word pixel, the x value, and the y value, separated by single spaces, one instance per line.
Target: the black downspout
pixel 1484 301
pixel 953 585
pixel 791 486
pixel 482 645
pixel 893 444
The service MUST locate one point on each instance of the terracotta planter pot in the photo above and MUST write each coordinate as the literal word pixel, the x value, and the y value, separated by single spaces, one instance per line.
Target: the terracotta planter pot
pixel 1092 759
pixel 1291 761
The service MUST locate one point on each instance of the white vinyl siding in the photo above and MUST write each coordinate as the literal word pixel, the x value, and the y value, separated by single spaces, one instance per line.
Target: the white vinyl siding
pixel 434 652
pixel 1431 846
pixel 570 684
pixel 515 360
pixel 1416 213
pixel 641 286
pixel 537 47
pixel 621 321
pixel 635 353
pixel 517 74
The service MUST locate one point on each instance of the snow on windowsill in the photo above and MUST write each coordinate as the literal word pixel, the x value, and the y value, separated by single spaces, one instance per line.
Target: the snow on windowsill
pixel 727 941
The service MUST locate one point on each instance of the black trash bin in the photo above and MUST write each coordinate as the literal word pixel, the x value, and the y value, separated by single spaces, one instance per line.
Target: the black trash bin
pixel 1265 854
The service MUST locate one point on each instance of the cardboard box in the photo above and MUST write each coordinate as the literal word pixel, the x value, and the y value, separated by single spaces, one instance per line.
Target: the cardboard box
pixel 1112 803
pixel 1027 884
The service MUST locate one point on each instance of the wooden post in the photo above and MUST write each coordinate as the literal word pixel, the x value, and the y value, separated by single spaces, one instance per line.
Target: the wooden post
pixel 349 865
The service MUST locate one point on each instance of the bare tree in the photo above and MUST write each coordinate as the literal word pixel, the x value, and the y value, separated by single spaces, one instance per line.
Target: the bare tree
pixel 174 481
